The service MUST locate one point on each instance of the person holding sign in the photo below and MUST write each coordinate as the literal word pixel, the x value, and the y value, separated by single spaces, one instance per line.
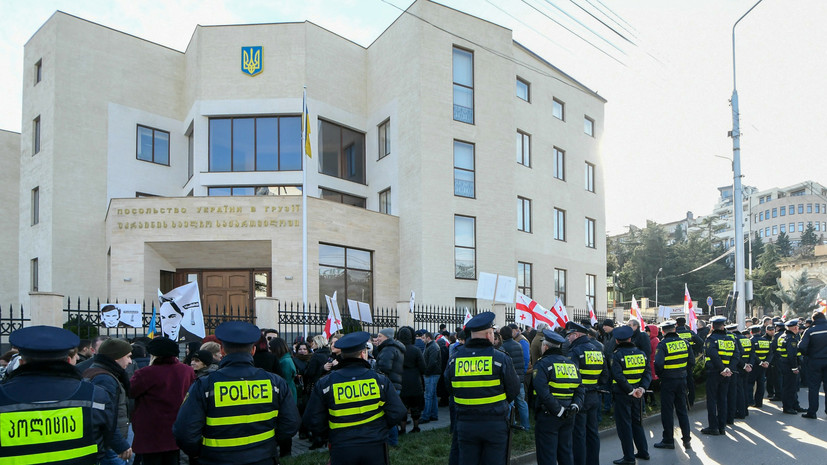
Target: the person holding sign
pixel 46 390
pixel 355 405
pixel 483 382
pixel 236 414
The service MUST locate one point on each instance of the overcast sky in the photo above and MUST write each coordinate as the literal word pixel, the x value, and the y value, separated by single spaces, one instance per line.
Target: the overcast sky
pixel 665 68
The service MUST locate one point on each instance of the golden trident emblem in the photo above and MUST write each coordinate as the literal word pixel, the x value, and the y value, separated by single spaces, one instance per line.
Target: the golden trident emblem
pixel 251 60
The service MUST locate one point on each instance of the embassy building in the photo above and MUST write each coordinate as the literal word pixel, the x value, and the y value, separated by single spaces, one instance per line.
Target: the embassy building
pixel 141 167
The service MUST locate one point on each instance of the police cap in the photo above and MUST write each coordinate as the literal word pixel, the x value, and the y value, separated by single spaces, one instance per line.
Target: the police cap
pixel 45 342
pixel 553 337
pixel 353 342
pixel 668 323
pixel 732 326
pixel 793 322
pixel 779 323
pixel 480 322
pixel 238 332
pixel 572 327
pixel 716 320
pixel 623 332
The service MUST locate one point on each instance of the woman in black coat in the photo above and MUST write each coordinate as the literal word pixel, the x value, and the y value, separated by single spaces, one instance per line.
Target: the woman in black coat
pixel 412 394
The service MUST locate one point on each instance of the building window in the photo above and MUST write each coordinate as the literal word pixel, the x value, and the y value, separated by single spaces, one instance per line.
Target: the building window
pixel 774 212
pixel 791 228
pixel 559 164
pixel 34 275
pixel 384 139
pixel 818 210
pixel 524 214
pixel 560 284
pixel 523 149
pixel 591 287
pixel 588 126
pixel 801 209
pixel 465 249
pixel 268 143
pixel 797 193
pixel 760 233
pixel 783 228
pixel 783 211
pixel 524 278
pixel 809 208
pixel 190 152
pixel 558 109
pixel 38 71
pixel 385 201
pixel 589 177
pixel 760 216
pixel 342 153
pixel 523 90
pixel 767 231
pixel 559 224
pixel 774 230
pixel 36 135
pixel 463 86
pixel 800 226
pixel 791 209
pixel 760 199
pixel 465 303
pixel 341 197
pixel 246 191
pixel 464 169
pixel 152 145
pixel 817 226
pixel 35 205
pixel 346 271
pixel 590 233
pixel 767 214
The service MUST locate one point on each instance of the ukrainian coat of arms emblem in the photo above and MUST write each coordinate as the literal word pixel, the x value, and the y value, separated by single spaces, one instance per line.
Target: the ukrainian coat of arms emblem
pixel 251 62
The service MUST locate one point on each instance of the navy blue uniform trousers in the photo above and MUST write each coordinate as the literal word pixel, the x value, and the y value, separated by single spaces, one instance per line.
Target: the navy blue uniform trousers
pixel 586 437
pixel 673 395
pixel 628 419
pixel 716 399
pixel 552 440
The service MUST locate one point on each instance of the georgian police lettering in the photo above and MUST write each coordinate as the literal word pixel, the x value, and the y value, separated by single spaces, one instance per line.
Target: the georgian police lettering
pixel 473 366
pixel 41 426
pixel 243 392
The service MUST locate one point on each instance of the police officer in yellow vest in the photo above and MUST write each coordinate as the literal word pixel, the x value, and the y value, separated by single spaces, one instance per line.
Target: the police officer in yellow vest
pixel 559 398
pixel 787 352
pixel 631 378
pixel 356 405
pixel 674 357
pixel 745 367
pixel 588 356
pixel 762 358
pixel 697 344
pixel 719 350
pixel 482 382
pixel 48 414
pixel 237 413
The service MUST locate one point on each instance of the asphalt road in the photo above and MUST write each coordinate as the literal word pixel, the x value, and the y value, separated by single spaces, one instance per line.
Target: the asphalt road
pixel 766 437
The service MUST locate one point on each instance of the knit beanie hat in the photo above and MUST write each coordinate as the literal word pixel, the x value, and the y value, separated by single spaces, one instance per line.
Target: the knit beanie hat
pixel 163 347
pixel 115 348
pixel 387 332
pixel 205 356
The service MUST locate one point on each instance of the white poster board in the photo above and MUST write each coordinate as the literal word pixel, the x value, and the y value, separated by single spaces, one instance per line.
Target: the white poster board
pixel 486 286
pixel 121 315
pixel 506 287
pixel 359 311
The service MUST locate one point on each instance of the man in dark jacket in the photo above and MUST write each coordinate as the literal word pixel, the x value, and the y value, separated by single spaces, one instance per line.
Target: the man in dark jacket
pixel 433 368
pixel 390 360
pixel 640 339
pixel 813 347
pixel 515 350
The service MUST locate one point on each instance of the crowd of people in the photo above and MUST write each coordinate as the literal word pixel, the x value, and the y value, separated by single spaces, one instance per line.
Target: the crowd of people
pixel 241 395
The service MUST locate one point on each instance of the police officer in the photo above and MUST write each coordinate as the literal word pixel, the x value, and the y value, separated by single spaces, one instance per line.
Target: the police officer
pixel 356 405
pixel 813 346
pixel 674 357
pixel 719 350
pixel 787 351
pixel 735 379
pixel 587 354
pixel 745 365
pixel 774 374
pixel 43 396
pixel 697 343
pixel 559 396
pixel 482 382
pixel 631 378
pixel 762 358
pixel 237 413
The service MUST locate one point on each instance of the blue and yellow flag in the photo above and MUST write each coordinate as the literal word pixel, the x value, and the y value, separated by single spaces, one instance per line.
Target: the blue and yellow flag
pixel 306 124
pixel 151 333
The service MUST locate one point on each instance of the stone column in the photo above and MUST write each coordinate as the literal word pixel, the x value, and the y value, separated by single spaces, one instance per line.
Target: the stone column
pixel 45 308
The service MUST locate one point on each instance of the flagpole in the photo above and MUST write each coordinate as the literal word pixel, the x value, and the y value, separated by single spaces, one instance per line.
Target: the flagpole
pixel 305 122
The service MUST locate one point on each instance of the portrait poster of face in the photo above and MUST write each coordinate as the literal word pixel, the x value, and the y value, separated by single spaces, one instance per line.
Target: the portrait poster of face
pixel 182 319
pixel 121 315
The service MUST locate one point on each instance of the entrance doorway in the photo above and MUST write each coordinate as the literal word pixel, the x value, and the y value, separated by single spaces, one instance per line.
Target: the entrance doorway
pixel 233 291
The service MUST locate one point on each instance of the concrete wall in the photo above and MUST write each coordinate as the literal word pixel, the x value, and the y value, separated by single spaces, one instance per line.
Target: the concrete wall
pixel 9 200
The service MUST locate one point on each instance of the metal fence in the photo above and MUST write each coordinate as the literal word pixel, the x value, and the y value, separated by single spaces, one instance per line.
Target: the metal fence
pixel 296 319
pixel 430 317
pixel 8 323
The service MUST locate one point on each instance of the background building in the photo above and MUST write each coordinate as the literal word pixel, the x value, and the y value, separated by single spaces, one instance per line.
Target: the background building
pixel 156 167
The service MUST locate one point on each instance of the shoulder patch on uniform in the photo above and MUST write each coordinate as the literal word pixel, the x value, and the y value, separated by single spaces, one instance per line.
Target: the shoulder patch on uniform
pixel 99 406
pixel 326 390
pixel 498 364
pixel 276 388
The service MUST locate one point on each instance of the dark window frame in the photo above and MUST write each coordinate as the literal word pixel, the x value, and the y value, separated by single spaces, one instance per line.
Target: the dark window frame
pixel 384 128
pixel 255 169
pixel 591 235
pixel 34 275
pixel 36 135
pixel 154 130
pixel 558 228
pixel 561 294
pixel 472 171
pixel 527 89
pixel 474 247
pixel 527 287
pixel 562 104
pixel 559 165
pixel 386 208
pixel 35 199
pixel 38 71
pixel 326 193
pixel 521 204
pixel 590 174
pixel 342 162
pixel 473 85
pixel 345 268
pixel 590 133
pixel 525 145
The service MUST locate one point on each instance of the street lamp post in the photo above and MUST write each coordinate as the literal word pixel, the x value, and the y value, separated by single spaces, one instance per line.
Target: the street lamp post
pixel 656 287
pixel 737 195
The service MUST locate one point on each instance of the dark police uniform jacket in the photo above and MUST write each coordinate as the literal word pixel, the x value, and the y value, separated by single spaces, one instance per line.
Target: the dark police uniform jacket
pixel 236 414
pixel 630 369
pixel 674 356
pixel 813 343
pixel 747 356
pixel 719 349
pixel 355 404
pixel 48 414
pixel 482 381
pixel 787 350
pixel 689 336
pixel 762 348
pixel 557 382
pixel 588 356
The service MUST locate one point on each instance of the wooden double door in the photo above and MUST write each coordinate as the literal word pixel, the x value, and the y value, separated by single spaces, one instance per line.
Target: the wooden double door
pixel 225 289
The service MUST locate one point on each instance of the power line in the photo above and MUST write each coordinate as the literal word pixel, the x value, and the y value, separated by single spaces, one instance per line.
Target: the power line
pixel 616 15
pixel 583 26
pixel 603 23
pixel 611 19
pixel 528 26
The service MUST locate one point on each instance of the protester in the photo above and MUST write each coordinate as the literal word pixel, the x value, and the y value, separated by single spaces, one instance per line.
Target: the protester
pixel 284 367
pixel 433 368
pixel 413 369
pixel 203 364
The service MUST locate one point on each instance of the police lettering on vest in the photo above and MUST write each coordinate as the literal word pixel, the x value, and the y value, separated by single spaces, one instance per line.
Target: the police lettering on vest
pixel 473 366
pixel 594 357
pixel 228 393
pixel 41 426
pixel 355 391
pixel 635 361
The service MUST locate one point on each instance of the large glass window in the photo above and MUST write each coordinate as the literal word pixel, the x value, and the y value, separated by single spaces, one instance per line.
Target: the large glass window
pixel 385 201
pixel 809 208
pixel 523 149
pixel 463 85
pixel 559 164
pixel 589 177
pixel 465 249
pixel 800 208
pixel 385 139
pixel 559 224
pixel 270 143
pixel 36 136
pixel 783 211
pixel 590 233
pixel 342 153
pixel 240 191
pixel 153 145
pixel 524 278
pixel 464 169
pixel 346 271
pixel 560 284
pixel 34 275
pixel 774 212
pixel 588 126
pixel 558 109
pixel 341 197
pixel 774 230
pixel 523 90
pixel 524 214
pixel 38 71
pixel 35 205
pixel 591 288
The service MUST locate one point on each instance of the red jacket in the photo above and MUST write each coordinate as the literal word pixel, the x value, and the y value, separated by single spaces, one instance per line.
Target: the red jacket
pixel 653 342
pixel 159 391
